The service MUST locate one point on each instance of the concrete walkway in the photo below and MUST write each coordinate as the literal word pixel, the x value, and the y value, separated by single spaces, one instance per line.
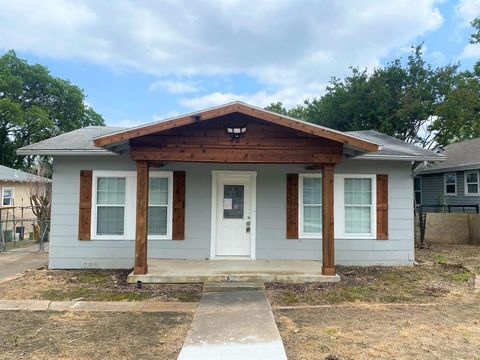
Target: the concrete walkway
pixel 108 306
pixel 14 263
pixel 233 325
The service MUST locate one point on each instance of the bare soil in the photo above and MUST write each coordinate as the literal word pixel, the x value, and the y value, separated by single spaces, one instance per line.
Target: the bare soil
pixel 79 336
pixel 450 331
pixel 93 285
pixel 442 273
pixel 429 311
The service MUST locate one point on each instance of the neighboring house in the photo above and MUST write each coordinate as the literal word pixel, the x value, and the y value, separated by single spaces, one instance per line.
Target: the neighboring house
pixel 230 182
pixel 455 181
pixel 15 194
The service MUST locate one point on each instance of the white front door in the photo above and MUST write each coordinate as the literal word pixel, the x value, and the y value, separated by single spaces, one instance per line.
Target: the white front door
pixel 233 209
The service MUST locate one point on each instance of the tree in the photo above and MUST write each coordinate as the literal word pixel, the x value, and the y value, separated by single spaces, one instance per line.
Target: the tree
pixel 413 102
pixel 40 196
pixel 34 106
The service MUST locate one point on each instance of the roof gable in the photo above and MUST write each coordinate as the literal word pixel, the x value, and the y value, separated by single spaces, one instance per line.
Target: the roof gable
pixel 237 107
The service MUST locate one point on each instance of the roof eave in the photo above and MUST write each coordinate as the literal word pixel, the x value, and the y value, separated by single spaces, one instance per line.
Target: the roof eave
pixel 52 152
pixel 398 157
pixel 451 168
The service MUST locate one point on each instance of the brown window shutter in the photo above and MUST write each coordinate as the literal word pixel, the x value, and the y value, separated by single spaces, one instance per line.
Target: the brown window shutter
pixel 292 206
pixel 85 211
pixel 382 207
pixel 178 226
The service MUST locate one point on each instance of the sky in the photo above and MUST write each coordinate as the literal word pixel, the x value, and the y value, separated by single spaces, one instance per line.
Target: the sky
pixel 142 61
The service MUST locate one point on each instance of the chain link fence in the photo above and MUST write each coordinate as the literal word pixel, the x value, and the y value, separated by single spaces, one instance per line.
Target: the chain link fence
pixel 21 228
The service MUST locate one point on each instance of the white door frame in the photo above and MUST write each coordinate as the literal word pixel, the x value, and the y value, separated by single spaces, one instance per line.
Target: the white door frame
pixel 253 219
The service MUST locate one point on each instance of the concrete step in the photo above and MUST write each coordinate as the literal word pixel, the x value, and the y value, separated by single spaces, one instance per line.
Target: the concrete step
pixel 220 286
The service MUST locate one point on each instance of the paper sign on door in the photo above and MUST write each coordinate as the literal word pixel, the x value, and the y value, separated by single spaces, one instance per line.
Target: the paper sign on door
pixel 227 204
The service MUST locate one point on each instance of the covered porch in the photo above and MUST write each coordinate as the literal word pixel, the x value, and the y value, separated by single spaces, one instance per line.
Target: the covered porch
pixel 201 271
pixel 234 134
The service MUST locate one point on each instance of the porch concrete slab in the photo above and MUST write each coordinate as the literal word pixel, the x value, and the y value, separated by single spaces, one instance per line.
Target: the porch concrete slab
pixel 233 325
pixel 199 271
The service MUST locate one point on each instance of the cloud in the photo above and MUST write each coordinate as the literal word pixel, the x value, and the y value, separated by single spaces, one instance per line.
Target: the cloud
pixel 138 122
pixel 471 51
pixel 287 47
pixel 174 87
pixel 126 123
pixel 167 115
pixel 467 10
pixel 289 97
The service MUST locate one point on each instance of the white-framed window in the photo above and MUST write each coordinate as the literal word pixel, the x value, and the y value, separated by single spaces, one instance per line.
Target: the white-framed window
pixel 160 197
pixel 310 205
pixel 114 205
pixel 417 186
pixel 472 183
pixel 450 181
pixel 355 206
pixel 358 204
pixel 354 201
pixel 8 196
pixel 110 205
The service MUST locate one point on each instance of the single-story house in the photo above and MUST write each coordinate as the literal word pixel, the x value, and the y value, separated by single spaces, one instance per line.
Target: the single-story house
pixel 15 188
pixel 455 181
pixel 230 182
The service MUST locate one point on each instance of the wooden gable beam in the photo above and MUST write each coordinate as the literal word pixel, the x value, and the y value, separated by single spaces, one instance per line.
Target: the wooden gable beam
pixel 243 109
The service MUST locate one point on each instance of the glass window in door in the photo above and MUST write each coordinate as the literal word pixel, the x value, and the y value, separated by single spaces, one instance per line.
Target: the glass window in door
pixel 233 201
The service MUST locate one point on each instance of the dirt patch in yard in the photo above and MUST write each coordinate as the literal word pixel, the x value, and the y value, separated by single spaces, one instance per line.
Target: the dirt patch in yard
pixel 93 285
pixel 382 332
pixel 467 255
pixel 440 275
pixel 47 335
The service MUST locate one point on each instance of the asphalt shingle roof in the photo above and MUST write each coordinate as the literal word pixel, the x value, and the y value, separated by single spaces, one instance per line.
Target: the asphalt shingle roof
pixel 391 146
pixel 80 141
pixel 9 174
pixel 461 155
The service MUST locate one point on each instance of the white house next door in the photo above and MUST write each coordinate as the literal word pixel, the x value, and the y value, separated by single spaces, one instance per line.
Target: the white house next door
pixel 234 216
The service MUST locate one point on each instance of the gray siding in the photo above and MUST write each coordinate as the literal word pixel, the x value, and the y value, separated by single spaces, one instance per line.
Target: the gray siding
pixel 433 190
pixel 68 252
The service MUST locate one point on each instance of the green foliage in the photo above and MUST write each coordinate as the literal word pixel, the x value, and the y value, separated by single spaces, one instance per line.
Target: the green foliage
pixel 34 106
pixel 413 101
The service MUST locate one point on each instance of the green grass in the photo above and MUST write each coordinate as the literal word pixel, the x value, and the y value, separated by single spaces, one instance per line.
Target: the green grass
pixel 461 276
pixel 440 258
pixel 187 296
pixel 123 296
pixel 93 277
pixel 93 295
pixel 65 295
pixel 290 298
pixel 330 331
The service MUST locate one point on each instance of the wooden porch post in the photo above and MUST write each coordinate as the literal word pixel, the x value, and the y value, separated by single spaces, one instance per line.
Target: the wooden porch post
pixel 328 251
pixel 141 227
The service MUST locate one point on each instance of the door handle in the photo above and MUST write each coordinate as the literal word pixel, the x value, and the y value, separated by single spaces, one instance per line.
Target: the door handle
pixel 248 225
